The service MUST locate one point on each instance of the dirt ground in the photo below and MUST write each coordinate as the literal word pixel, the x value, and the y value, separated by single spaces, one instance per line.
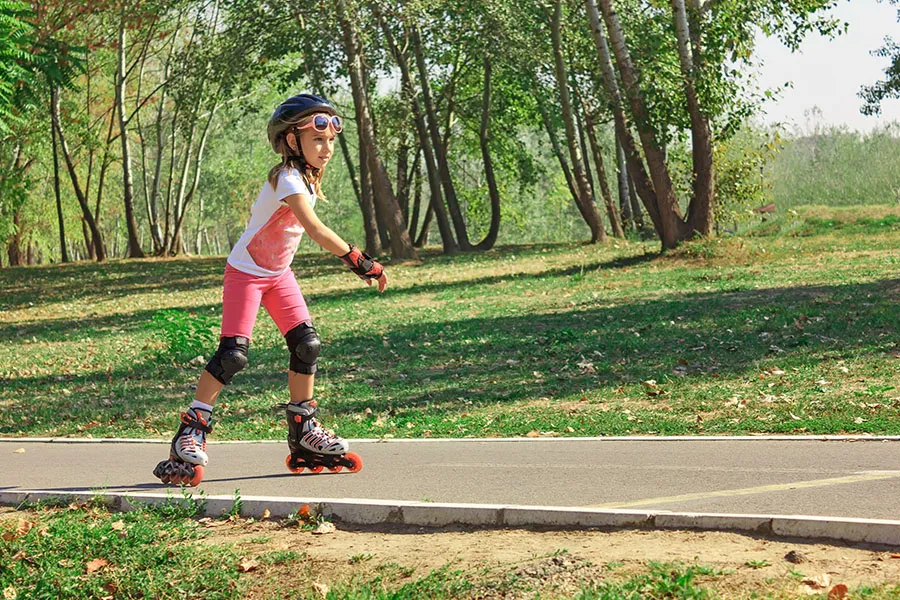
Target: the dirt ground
pixel 559 563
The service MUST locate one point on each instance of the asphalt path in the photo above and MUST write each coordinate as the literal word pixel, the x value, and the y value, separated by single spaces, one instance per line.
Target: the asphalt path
pixel 791 477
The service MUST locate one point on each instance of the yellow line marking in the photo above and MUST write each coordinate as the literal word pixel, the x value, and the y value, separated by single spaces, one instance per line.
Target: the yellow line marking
pixel 778 487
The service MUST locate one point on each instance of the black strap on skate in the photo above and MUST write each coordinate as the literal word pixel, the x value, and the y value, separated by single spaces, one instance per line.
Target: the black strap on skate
pixel 195 423
pixel 291 407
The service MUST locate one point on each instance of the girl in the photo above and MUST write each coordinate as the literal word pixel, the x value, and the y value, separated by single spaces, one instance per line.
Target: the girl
pixel 302 130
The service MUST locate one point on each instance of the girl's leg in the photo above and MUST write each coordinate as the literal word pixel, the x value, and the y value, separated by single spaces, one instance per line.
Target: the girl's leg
pixel 285 303
pixel 241 294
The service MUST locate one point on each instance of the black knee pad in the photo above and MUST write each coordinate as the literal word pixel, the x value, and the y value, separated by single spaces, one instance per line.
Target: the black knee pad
pixel 304 345
pixel 230 358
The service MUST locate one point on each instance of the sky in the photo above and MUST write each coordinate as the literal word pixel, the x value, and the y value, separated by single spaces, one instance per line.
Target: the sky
pixel 829 73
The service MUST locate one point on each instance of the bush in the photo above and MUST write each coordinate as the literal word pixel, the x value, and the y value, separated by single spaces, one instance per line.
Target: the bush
pixel 184 335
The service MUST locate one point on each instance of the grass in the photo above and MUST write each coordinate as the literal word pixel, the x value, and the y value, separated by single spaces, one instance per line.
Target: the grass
pixel 85 551
pixel 791 328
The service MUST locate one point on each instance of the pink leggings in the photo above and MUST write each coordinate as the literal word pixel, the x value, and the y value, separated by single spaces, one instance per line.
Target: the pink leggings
pixel 243 293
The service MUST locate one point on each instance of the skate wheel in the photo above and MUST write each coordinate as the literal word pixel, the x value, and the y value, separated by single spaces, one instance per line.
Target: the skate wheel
pixel 336 468
pixel 356 460
pixel 316 469
pixel 196 479
pixel 287 461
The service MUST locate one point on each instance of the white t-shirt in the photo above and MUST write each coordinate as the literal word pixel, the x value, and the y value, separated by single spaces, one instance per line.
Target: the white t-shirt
pixel 270 241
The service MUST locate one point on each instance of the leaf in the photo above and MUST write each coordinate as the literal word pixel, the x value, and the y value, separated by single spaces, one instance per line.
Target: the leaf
pixel 838 592
pixel 265 515
pixel 95 565
pixel 818 583
pixel 23 527
pixel 10 593
pixel 325 527
pixel 118 526
pixel 19 451
pixel 533 434
pixel 247 565
pixel 321 588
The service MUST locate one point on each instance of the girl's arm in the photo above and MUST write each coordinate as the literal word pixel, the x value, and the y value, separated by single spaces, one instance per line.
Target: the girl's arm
pixel 321 233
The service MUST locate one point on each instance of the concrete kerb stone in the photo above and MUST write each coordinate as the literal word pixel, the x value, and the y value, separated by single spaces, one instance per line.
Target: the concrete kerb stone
pixel 428 514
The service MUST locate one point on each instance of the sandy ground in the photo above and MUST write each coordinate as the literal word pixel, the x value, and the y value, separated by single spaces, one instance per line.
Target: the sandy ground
pixel 560 563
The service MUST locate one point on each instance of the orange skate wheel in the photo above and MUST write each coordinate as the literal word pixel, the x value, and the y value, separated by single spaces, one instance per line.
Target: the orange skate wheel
pixel 287 461
pixel 316 469
pixel 336 468
pixel 196 479
pixel 356 460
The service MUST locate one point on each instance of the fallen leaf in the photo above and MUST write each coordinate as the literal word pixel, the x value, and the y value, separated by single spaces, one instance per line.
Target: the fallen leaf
pixel 118 526
pixel 111 587
pixel 303 511
pixel 95 565
pixel 10 593
pixel 818 583
pixel 23 527
pixel 67 563
pixel 265 515
pixel 247 565
pixel 321 588
pixel 324 528
pixel 838 592
pixel 533 434
pixel 8 536
pixel 19 451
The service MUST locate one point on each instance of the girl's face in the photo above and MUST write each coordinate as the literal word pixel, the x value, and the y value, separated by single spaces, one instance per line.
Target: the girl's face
pixel 317 146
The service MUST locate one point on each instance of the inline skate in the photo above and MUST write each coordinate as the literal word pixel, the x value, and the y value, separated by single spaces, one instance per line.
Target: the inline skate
pixel 312 447
pixel 187 454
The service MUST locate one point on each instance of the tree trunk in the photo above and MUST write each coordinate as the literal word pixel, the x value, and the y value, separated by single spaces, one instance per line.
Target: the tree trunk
pixel 198 161
pixel 700 215
pixel 611 211
pixel 642 182
pixel 671 220
pixel 417 202
pixel 440 152
pixel 426 225
pixel 63 251
pixel 401 245
pixel 554 143
pixel 402 182
pixel 585 201
pixel 622 183
pixel 364 198
pixel 134 245
pixel 437 201
pixel 484 136
pixel 97 237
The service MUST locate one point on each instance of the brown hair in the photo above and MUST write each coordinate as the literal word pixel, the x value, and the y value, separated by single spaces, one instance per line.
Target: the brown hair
pixel 289 160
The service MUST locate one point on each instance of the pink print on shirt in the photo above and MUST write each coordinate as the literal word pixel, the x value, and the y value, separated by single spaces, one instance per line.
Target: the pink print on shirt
pixel 274 245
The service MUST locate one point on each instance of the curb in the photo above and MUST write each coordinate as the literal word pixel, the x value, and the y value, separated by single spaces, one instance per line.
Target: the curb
pixel 547 439
pixel 428 514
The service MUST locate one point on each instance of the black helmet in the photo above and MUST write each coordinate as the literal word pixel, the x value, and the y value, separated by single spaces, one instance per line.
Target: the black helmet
pixel 291 110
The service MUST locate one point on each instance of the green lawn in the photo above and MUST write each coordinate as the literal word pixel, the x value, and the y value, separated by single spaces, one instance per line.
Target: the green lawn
pixel 791 328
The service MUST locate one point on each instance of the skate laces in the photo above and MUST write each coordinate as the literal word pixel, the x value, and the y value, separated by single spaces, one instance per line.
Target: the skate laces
pixel 193 438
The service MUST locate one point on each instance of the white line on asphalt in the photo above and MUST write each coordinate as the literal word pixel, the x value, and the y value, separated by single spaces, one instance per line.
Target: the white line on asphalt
pixel 763 489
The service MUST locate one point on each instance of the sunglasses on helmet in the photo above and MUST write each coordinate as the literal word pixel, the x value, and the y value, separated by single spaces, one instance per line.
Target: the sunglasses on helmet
pixel 321 122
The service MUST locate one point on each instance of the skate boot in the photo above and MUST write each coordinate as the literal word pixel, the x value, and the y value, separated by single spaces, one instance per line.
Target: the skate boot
pixel 187 454
pixel 313 447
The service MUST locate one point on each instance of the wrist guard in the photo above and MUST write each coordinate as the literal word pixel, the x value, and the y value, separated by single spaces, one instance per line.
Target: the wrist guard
pixel 362 264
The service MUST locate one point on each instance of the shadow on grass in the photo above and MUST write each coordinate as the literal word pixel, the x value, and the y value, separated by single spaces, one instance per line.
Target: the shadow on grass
pixel 445 366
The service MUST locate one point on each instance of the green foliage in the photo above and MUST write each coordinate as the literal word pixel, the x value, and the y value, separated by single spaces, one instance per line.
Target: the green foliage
pixel 836 167
pixel 663 581
pixel 16 58
pixel 185 335
pixel 889 87
pixel 744 174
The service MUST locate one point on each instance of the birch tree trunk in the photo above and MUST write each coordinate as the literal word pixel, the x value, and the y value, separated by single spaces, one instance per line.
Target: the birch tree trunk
pixel 364 198
pixel 434 180
pixel 440 151
pixel 484 136
pixel 401 245
pixel 700 215
pixel 97 237
pixel 63 251
pixel 642 182
pixel 134 244
pixel 671 220
pixel 612 212
pixel 584 201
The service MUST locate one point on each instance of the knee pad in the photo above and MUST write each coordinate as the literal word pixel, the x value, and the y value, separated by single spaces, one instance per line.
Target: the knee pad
pixel 304 345
pixel 230 358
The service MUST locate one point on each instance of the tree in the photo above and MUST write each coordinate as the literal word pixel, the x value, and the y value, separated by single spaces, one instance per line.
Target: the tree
pixel 889 87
